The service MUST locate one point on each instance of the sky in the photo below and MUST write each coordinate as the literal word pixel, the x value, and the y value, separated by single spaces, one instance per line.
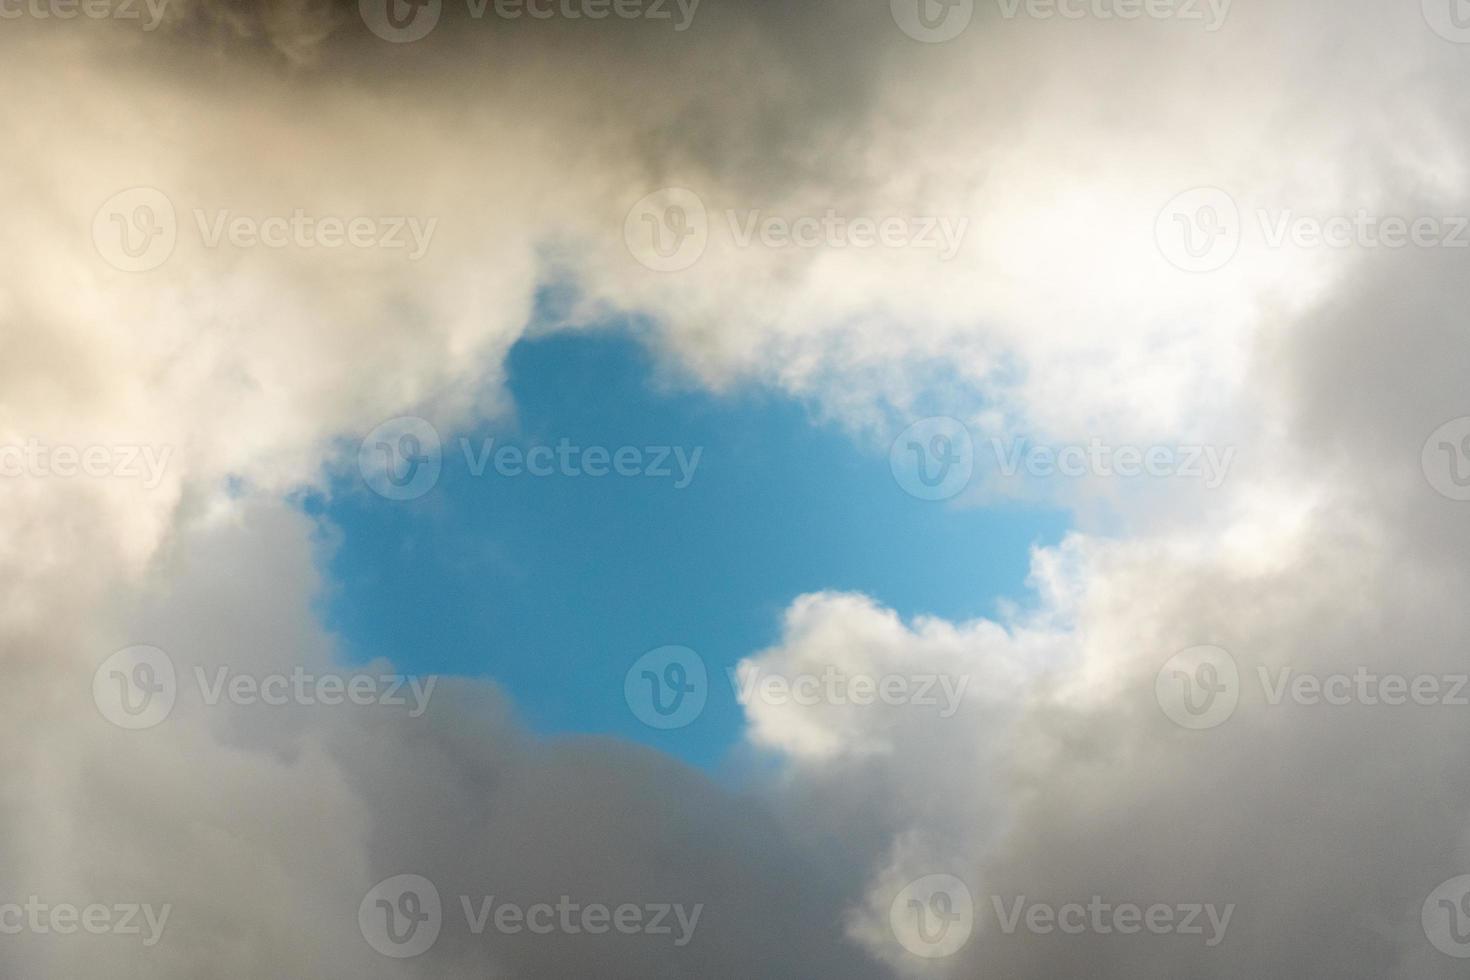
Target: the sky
pixel 1033 535
pixel 553 586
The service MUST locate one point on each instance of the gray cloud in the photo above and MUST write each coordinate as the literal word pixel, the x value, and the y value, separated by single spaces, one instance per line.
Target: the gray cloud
pixel 1326 827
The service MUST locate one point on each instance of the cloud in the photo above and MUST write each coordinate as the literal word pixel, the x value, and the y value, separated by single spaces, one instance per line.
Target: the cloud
pixel 1058 777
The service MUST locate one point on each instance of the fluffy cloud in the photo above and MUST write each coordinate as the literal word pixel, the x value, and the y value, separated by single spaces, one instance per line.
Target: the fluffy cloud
pixel 1057 776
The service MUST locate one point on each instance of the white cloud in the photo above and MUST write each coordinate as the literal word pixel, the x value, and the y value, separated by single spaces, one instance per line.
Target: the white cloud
pixel 1057 776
